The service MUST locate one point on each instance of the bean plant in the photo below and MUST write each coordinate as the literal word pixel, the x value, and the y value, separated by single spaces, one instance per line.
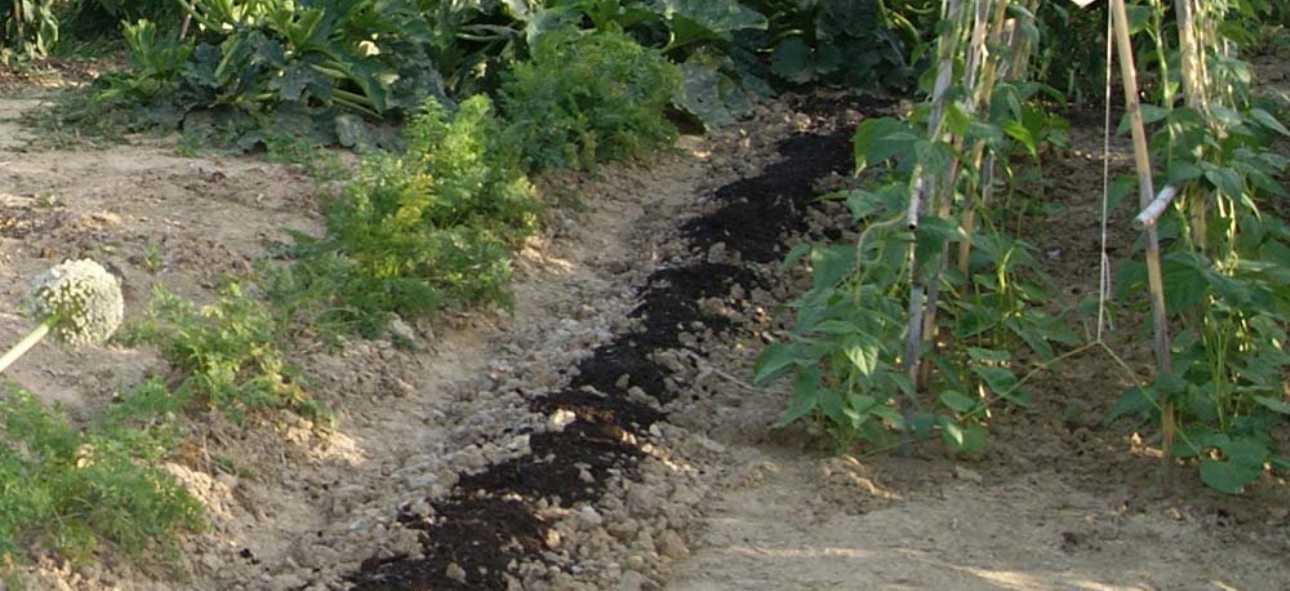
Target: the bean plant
pixel 1225 265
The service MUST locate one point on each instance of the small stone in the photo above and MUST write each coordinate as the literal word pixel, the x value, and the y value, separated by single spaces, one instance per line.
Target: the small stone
pixel 588 518
pixel 560 419
pixel 672 546
pixel 710 445
pixel 642 500
pixel 717 254
pixel 645 542
pixel 398 388
pixel 631 581
pixel 968 474
pixel 226 479
pixel 456 573
pixel 400 331
pixel 420 508
pixel 624 529
pixel 288 582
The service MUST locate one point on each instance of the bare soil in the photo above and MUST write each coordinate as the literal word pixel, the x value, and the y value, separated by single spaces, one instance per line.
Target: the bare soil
pixel 602 435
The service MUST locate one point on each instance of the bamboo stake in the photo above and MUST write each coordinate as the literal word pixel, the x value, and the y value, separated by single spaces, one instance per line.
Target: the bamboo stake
pixel 982 162
pixel 188 20
pixel 1196 94
pixel 1146 193
pixel 920 189
pixel 1157 207
pixel 977 63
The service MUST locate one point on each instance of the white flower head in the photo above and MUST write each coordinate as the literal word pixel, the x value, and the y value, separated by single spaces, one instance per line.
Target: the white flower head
pixel 82 298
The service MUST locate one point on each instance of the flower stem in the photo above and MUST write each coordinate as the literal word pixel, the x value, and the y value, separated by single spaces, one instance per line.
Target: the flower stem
pixel 25 344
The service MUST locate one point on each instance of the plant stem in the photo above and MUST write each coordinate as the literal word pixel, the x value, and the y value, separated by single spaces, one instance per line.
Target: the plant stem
pixel 25 344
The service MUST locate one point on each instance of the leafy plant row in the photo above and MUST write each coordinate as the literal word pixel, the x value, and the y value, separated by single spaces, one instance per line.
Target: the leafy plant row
pixel 412 233
pixel 914 329
pixel 343 71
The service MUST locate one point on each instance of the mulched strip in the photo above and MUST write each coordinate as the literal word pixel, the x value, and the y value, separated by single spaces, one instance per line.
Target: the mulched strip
pixel 489 521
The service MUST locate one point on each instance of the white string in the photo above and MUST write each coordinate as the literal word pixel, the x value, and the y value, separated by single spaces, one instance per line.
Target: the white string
pixel 1104 287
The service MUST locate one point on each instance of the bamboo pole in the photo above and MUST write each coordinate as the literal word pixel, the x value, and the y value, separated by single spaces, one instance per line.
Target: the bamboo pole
pixel 1004 29
pixel 1146 193
pixel 1152 213
pixel 1196 95
pixel 921 188
pixel 977 65
pixel 188 20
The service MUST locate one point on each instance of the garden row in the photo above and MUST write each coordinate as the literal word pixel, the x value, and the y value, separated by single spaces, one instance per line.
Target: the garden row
pixel 911 331
pixel 469 99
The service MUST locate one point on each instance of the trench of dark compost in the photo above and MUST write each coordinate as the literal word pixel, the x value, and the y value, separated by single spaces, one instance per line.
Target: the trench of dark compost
pixel 489 522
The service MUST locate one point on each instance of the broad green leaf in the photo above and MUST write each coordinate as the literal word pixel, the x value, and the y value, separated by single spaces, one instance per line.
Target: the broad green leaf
pixel 968 440
pixel 1245 452
pixel 1152 114
pixel 863 351
pixel 922 424
pixel 877 140
pixel 793 60
pixel 1182 171
pixel 717 17
pixel 1032 338
pixel 952 433
pixel 1227 181
pixel 1003 384
pixel 1228 477
pixel 847 18
pixel 1133 401
pixel 1139 17
pixel 1185 282
pixel 355 133
pixel 1019 132
pixel 988 355
pixel 776 359
pixel 835 327
pixel 861 403
pixel 832 404
pixel 795 254
pixel 956 401
pixel 806 397
pixel 700 93
pixel 974 439
pixel 1267 120
pixel 863 204
pixel 889 415
pixel 832 264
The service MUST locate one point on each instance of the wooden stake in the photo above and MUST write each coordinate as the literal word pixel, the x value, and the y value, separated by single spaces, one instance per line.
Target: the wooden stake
pixel 922 186
pixel 188 20
pixel 1146 193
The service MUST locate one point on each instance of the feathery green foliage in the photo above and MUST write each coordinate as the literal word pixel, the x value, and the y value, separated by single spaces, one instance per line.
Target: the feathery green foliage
pixel 75 491
pixel 587 97
pixel 417 232
pixel 228 354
